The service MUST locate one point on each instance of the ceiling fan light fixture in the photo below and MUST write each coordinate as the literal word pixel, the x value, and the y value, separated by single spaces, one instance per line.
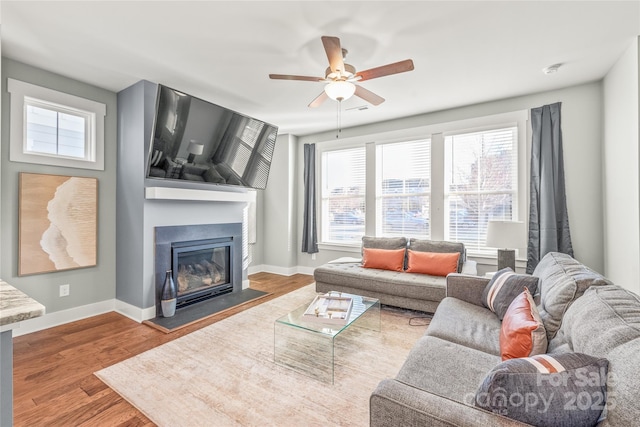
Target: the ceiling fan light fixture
pixel 340 90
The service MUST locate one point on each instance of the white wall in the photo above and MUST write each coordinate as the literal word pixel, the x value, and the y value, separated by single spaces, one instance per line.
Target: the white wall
pixel 582 133
pixel 621 171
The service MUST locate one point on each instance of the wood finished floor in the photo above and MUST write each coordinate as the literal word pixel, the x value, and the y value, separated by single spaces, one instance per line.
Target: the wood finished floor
pixel 53 381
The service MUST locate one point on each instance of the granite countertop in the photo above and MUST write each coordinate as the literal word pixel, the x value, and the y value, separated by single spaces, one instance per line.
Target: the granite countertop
pixel 15 306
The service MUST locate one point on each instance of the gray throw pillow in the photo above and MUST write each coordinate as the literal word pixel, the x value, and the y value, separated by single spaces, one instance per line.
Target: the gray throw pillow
pixel 384 242
pixel 547 390
pixel 211 175
pixel 504 287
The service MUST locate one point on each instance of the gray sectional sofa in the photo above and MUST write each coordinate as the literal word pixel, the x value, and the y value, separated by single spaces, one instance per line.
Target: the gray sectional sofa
pixel 582 312
pixel 415 291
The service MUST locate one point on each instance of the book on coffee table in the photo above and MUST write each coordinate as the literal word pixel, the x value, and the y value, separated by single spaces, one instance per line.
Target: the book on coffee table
pixel 329 309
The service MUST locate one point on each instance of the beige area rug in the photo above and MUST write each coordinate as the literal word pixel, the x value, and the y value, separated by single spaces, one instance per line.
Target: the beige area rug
pixel 224 374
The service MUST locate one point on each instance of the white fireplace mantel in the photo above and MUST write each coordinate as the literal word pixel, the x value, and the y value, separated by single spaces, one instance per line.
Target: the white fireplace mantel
pixel 167 193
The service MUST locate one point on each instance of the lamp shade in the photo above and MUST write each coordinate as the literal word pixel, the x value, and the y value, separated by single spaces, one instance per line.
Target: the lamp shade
pixel 195 147
pixel 505 234
pixel 340 90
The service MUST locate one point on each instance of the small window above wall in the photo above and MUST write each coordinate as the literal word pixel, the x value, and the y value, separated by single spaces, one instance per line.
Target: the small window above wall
pixel 55 128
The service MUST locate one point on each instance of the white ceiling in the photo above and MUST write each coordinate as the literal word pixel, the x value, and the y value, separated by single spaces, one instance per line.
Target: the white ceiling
pixel 464 52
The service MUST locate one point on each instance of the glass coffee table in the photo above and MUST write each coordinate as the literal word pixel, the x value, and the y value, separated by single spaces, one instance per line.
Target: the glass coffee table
pixel 308 346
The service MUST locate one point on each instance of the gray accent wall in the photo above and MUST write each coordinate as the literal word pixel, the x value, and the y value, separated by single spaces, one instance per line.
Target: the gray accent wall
pixel 134 133
pixel 6 378
pixel 88 285
pixel 280 213
pixel 137 217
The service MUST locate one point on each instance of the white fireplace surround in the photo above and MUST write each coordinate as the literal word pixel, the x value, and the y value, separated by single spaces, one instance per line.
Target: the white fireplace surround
pixel 167 193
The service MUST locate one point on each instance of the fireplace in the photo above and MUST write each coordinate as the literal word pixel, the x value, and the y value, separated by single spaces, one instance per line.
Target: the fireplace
pixel 205 260
pixel 201 269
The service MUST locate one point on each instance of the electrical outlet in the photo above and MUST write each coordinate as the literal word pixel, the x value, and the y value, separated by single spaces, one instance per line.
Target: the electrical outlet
pixel 313 256
pixel 64 290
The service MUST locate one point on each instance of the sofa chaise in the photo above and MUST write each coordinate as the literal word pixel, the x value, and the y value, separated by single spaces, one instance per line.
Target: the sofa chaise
pixel 415 291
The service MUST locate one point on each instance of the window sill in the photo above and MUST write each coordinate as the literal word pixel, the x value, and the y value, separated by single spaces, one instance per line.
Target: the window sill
pixel 493 261
pixel 339 248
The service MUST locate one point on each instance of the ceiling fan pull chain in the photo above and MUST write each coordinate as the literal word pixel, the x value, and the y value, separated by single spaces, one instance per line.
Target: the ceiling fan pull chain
pixel 339 118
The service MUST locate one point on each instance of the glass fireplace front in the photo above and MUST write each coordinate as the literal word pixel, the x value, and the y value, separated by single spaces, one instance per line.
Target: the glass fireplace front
pixel 201 269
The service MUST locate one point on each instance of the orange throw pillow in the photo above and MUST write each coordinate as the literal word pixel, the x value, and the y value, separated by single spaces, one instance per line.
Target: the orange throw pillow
pixel 433 263
pixel 384 259
pixel 522 333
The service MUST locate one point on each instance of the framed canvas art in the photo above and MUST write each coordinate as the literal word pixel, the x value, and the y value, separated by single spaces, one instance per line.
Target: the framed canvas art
pixel 57 223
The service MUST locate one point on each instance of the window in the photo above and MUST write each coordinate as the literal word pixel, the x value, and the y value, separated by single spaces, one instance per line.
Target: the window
pixel 57 131
pixel 343 195
pixel 441 182
pixel 481 183
pixel 55 128
pixel 403 189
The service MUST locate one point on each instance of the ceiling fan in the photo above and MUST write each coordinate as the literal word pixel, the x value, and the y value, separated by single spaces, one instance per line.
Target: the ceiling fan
pixel 340 77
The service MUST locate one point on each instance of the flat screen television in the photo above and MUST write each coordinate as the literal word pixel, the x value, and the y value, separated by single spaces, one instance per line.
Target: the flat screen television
pixel 197 141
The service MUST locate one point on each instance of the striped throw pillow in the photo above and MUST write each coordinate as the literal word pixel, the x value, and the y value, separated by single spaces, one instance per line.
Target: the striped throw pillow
pixel 504 287
pixel 548 389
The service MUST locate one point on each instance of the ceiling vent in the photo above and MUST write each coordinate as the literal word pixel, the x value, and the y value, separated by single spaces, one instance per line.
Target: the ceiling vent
pixel 551 69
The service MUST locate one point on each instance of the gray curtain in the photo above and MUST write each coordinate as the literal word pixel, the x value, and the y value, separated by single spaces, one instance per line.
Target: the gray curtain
pixel 548 218
pixel 309 228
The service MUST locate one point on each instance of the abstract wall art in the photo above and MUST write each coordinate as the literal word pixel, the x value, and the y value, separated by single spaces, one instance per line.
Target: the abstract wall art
pixel 57 223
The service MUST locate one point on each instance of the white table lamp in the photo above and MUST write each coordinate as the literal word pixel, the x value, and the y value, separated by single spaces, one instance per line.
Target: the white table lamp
pixel 194 149
pixel 507 235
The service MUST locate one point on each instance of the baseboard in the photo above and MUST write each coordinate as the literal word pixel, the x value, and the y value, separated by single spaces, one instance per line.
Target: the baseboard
pixel 282 271
pixel 62 317
pixel 135 313
pixel 305 270
pixel 253 269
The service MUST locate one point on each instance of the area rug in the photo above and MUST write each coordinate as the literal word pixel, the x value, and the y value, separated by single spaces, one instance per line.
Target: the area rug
pixel 224 374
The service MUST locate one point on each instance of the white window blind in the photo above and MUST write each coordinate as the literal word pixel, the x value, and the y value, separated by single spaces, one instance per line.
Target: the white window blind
pixel 480 184
pixel 403 189
pixel 343 195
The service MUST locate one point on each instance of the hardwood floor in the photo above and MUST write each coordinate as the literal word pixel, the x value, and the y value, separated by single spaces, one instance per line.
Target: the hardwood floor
pixel 53 376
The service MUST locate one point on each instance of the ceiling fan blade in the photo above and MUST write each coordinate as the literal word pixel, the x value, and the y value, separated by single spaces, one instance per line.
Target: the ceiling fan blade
pixel 385 70
pixel 334 53
pixel 289 77
pixel 319 100
pixel 368 96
